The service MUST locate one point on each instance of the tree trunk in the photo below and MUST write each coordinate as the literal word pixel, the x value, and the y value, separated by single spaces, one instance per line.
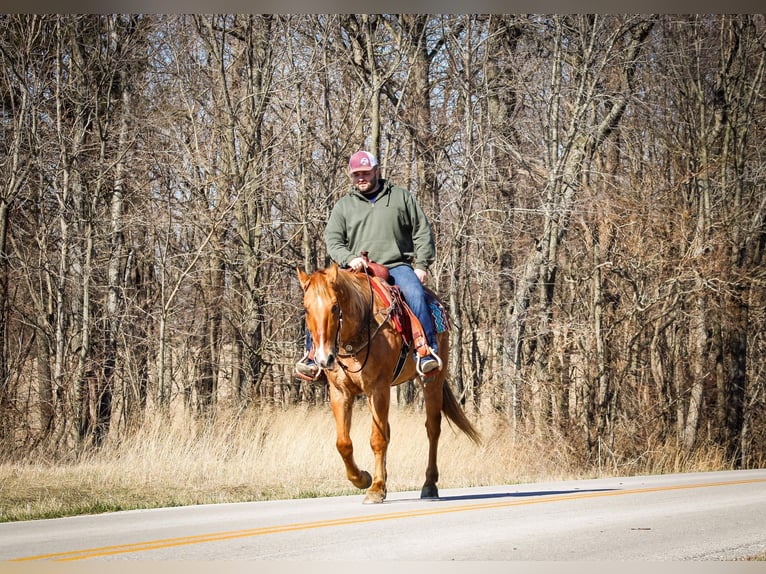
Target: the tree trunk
pixel 419 112
pixel 699 355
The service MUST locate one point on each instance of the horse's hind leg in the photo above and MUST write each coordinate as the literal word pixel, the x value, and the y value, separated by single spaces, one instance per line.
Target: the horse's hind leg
pixel 341 408
pixel 432 392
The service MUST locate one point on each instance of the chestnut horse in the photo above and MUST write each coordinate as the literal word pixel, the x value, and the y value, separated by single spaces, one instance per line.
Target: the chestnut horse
pixel 358 347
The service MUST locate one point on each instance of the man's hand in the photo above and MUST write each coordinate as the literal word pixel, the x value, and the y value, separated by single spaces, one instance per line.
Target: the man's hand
pixel 357 264
pixel 421 274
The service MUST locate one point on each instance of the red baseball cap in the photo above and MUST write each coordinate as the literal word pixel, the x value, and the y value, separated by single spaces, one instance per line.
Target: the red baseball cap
pixel 362 161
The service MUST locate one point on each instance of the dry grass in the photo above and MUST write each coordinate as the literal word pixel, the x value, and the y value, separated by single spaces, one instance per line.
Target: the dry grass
pixel 288 454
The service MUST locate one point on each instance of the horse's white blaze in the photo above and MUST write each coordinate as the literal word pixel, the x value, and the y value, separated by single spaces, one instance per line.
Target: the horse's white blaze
pixel 324 343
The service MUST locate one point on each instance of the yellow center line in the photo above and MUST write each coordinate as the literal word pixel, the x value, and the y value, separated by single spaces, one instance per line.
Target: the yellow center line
pixel 234 534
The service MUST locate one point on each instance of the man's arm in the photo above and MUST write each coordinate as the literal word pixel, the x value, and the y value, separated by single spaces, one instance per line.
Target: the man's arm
pixel 335 238
pixel 422 237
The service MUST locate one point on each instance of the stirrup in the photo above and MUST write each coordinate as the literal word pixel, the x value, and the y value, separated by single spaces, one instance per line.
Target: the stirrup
pixel 435 356
pixel 305 377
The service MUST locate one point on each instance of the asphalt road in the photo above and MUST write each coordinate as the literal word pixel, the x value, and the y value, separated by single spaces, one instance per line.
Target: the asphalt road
pixel 698 516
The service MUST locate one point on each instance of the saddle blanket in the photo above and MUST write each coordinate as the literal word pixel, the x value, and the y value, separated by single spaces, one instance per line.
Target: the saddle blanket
pixel 438 312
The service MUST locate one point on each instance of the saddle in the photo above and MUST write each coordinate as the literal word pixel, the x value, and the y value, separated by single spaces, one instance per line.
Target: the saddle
pixel 405 321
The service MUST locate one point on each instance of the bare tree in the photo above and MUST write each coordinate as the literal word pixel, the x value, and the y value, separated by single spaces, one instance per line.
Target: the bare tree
pixel 17 98
pixel 583 48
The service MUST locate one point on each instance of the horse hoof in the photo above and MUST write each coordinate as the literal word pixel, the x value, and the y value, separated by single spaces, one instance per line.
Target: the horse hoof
pixel 364 480
pixel 429 491
pixel 374 497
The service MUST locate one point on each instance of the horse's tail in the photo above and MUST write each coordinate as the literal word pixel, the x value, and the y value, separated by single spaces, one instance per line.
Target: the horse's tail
pixel 454 412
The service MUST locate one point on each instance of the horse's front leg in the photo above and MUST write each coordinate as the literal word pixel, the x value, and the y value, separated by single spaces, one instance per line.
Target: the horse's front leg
pixel 379 403
pixel 342 405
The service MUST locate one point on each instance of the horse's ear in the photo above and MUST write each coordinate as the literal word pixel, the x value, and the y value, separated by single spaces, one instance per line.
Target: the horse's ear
pixel 303 277
pixel 333 272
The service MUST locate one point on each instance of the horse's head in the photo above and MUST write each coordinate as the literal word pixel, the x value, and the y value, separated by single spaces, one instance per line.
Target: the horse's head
pixel 323 313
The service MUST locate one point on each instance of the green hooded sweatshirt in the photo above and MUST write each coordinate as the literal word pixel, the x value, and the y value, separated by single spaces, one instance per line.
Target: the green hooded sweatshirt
pixel 393 229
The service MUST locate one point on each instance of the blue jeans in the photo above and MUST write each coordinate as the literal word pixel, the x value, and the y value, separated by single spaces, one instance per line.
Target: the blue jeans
pixel 415 296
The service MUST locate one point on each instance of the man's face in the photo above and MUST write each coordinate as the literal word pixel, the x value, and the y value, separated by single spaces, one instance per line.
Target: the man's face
pixel 365 181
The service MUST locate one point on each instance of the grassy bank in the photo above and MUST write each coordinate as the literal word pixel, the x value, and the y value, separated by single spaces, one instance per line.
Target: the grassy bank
pixel 291 454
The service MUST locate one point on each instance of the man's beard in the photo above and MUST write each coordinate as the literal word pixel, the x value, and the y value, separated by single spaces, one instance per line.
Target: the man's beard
pixel 374 187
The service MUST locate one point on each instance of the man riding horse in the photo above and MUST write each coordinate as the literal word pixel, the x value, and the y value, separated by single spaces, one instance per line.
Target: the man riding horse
pixel 387 223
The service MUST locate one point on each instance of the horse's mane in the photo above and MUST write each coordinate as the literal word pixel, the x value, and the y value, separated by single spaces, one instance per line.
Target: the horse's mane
pixel 350 289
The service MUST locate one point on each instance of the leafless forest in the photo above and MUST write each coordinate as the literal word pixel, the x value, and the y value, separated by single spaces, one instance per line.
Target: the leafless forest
pixel 596 186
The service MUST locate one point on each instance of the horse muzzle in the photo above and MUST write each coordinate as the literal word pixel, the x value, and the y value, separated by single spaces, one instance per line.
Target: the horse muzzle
pixel 326 360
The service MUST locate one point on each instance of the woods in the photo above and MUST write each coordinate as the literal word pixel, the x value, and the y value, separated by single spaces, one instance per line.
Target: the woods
pixel 596 186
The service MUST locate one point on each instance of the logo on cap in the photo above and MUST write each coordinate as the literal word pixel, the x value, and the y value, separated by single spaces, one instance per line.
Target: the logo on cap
pixel 362 161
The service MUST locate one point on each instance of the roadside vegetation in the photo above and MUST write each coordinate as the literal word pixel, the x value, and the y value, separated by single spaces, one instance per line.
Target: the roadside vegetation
pixel 281 454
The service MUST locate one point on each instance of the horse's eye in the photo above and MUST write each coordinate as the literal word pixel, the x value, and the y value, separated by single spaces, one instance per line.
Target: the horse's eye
pixel 335 308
